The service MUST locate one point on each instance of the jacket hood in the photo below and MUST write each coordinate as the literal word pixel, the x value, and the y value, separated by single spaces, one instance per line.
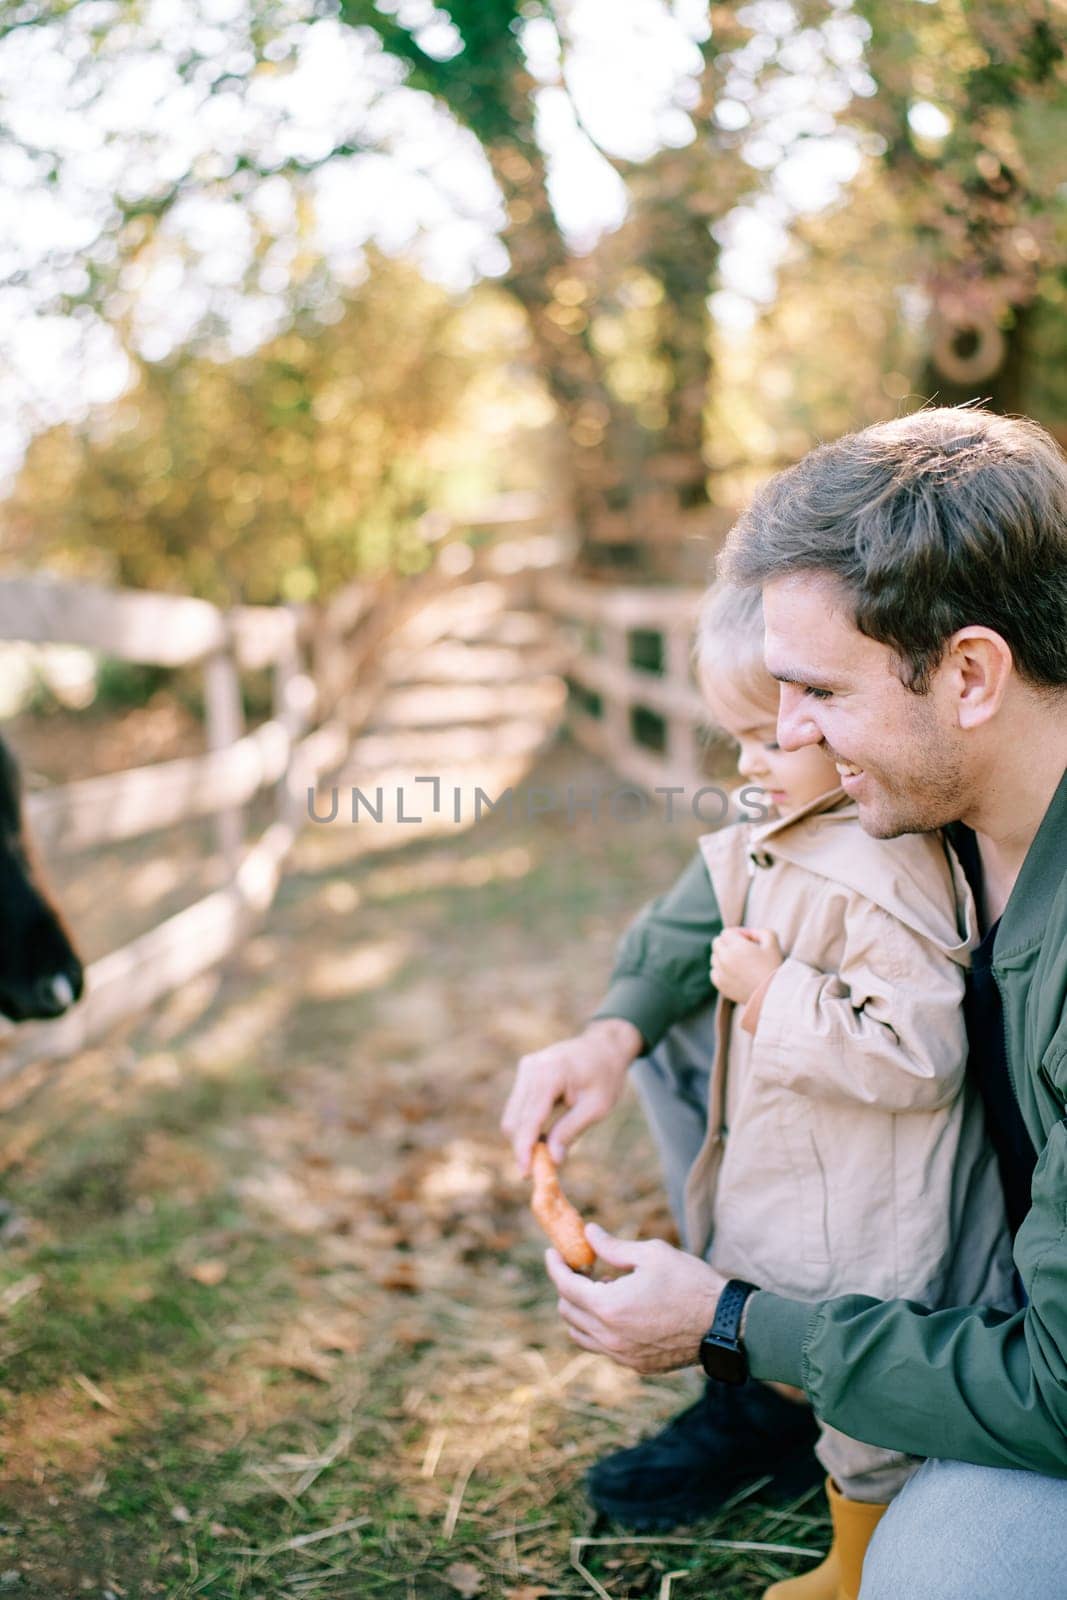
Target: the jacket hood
pixel 915 878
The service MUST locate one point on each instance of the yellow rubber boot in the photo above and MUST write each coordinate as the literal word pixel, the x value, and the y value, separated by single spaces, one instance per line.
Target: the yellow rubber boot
pixel 820 1583
pixel 838 1576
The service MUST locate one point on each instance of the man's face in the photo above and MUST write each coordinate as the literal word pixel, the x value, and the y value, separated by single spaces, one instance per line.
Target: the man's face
pixel 900 754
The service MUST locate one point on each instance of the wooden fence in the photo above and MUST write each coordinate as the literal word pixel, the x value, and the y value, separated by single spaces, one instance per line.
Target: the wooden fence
pixel 323 661
pixel 633 699
pixel 632 702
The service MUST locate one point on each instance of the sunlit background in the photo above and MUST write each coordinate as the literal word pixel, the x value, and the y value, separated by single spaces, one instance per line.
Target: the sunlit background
pixel 283 281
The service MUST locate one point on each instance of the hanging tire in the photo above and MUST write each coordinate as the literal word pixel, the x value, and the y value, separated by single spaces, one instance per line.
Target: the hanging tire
pixel 968 365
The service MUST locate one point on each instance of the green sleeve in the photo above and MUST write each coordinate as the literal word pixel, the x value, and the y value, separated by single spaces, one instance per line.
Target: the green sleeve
pixel 662 967
pixel 968 1384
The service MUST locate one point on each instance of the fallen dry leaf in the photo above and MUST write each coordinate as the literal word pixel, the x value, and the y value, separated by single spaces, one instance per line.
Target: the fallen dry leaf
pixel 209 1273
pixel 410 1333
pixel 400 1275
pixel 465 1578
pixel 326 1334
pixel 304 1358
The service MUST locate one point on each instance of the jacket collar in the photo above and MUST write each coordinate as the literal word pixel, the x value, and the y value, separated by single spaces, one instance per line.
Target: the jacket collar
pixel 830 801
pixel 1043 877
pixel 899 875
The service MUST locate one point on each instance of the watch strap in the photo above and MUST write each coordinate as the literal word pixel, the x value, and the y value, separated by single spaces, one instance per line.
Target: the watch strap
pixel 721 1353
pixel 727 1324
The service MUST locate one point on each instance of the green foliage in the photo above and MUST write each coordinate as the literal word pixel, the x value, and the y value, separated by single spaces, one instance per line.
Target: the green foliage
pixel 985 201
pixel 122 684
pixel 276 477
pixel 954 230
pixel 481 82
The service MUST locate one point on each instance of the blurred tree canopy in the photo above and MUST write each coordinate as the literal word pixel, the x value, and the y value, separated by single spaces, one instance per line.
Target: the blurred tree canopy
pixel 937 269
pixel 972 109
pixel 941 273
pixel 278 476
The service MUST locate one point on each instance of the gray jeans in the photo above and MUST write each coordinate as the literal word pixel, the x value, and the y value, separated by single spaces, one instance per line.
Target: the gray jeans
pixel 957 1532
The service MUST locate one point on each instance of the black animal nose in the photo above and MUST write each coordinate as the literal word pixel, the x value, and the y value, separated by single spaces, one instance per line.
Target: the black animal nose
pixel 54 994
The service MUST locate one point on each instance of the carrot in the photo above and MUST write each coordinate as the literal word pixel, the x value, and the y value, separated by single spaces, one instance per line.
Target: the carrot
pixel 556 1215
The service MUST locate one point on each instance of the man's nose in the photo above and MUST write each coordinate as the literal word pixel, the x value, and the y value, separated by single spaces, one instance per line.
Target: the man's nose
pixel 796 726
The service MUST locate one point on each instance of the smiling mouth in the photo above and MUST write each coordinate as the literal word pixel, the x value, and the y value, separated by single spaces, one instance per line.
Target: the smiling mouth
pixel 845 769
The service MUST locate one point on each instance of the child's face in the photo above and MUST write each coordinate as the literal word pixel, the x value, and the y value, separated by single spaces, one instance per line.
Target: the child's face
pixel 791 778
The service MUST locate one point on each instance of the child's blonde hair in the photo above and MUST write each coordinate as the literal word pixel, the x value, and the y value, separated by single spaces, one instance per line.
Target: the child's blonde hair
pixel 728 652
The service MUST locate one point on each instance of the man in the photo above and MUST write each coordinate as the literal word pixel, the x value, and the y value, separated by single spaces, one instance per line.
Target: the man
pixel 914 581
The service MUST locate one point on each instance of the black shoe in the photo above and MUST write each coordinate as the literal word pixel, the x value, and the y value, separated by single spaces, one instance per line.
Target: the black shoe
pixel 733 1435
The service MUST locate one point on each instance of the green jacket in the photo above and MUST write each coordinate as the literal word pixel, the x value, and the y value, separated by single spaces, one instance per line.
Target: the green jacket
pixel 969 1384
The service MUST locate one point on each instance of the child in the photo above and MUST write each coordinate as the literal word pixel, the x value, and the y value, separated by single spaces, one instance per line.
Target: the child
pixel 840 1152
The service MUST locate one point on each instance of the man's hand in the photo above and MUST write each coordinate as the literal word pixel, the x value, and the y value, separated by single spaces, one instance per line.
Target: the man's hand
pixel 586 1074
pixel 742 959
pixel 654 1318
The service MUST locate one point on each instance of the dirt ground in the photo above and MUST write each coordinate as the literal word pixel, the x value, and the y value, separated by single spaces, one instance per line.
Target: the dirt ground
pixel 273 1312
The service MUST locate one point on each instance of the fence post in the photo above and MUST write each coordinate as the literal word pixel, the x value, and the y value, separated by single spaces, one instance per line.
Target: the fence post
pixel 616 703
pixel 294 696
pixel 328 664
pixel 681 728
pixel 224 716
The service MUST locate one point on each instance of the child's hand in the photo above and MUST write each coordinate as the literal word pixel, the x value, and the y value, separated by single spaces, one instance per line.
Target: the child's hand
pixel 742 959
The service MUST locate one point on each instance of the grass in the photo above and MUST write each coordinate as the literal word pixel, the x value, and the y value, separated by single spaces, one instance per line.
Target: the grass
pixel 273 1317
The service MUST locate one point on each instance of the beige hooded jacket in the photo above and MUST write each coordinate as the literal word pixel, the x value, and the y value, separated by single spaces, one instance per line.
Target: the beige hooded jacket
pixel 844 1153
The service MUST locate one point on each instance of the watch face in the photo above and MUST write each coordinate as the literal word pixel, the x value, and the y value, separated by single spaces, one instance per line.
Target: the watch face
pixel 725 1361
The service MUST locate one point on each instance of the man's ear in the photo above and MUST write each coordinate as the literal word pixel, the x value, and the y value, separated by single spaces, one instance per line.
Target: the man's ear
pixel 979 665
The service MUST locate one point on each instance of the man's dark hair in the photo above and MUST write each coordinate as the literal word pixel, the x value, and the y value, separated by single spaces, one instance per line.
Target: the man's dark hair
pixel 931 522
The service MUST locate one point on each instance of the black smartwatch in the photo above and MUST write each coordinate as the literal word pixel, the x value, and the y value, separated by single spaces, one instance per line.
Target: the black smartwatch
pixel 721 1352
